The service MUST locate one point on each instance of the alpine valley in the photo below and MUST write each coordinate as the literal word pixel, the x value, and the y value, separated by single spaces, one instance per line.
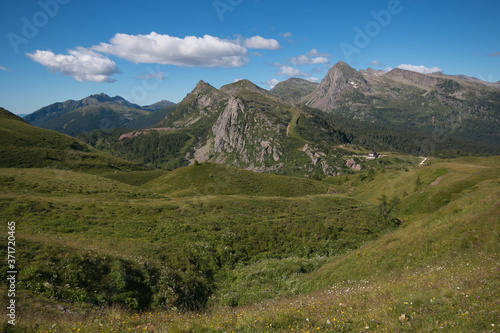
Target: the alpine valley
pixel 367 202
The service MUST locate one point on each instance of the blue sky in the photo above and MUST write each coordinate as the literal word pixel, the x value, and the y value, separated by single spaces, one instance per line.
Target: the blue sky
pixel 149 50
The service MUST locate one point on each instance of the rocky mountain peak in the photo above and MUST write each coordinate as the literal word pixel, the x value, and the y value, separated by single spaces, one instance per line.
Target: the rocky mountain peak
pixel 341 71
pixel 98 98
pixel 202 87
pixel 340 78
pixel 236 87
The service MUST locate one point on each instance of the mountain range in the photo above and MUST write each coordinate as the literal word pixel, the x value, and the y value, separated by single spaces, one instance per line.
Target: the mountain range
pixel 298 127
pixel 452 105
pixel 98 111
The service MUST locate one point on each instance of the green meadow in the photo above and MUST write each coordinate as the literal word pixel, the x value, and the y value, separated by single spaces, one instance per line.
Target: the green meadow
pixel 210 248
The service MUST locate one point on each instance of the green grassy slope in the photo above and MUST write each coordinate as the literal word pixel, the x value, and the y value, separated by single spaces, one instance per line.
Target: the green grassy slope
pixel 153 251
pixel 321 262
pixel 216 179
pixel 26 146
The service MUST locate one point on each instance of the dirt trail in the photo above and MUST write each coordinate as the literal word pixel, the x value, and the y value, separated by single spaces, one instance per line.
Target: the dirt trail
pixel 144 132
pixel 438 179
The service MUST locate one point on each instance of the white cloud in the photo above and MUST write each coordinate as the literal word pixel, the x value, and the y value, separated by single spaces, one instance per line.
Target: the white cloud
pixel 305 60
pixel 82 64
pixel 290 71
pixel 272 83
pixel 315 53
pixel 5 69
pixel 190 51
pixel 312 57
pixel 420 69
pixel 376 63
pixel 258 42
pixel 496 54
pixel 286 34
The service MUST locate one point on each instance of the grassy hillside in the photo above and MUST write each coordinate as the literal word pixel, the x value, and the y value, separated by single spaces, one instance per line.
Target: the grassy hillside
pixel 403 249
pixel 26 146
pixel 294 89
pixel 151 251
pixel 216 179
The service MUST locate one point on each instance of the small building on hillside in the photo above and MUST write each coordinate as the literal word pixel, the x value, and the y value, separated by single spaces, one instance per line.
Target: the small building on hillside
pixel 372 155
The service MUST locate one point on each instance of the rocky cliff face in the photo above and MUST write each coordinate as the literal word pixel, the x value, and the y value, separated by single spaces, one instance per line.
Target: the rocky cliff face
pixel 245 136
pixel 228 130
pixel 246 126
pixel 340 79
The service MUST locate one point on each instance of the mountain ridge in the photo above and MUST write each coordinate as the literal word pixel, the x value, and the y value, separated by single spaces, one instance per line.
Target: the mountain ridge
pixel 294 89
pixel 435 102
pixel 97 111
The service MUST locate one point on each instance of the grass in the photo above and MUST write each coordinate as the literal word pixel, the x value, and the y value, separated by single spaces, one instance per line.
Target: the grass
pixel 26 146
pixel 215 179
pixel 135 178
pixel 187 245
pixel 256 250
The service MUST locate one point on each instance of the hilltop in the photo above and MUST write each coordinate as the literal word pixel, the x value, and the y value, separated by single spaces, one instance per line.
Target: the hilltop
pixel 25 146
pixel 294 89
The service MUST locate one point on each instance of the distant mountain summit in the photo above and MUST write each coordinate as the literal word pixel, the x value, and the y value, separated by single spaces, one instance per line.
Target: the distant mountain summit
pixel 158 105
pixel 55 110
pixel 340 79
pixel 449 105
pixel 243 85
pixel 98 111
pixel 103 98
pixel 294 89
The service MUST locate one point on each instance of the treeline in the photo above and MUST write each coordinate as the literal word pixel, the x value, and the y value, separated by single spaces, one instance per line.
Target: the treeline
pixel 157 150
pixel 413 141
